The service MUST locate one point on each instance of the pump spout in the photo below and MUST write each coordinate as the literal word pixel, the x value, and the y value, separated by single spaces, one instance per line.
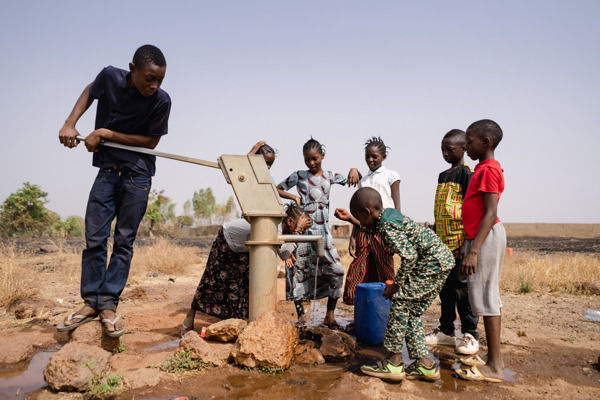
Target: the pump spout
pixel 306 238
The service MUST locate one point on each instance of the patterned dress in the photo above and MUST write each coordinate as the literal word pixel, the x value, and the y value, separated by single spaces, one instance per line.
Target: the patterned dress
pixel 223 290
pixel 426 262
pixel 300 281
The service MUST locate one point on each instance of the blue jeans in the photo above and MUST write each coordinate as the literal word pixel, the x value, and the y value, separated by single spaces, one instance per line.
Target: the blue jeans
pixel 116 193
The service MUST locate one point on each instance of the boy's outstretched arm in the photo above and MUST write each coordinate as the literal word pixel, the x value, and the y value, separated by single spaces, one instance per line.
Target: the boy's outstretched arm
pixel 68 132
pixel 344 215
pixel 490 204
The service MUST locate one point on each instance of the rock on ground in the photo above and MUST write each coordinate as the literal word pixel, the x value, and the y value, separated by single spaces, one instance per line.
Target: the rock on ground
pixel 71 368
pixel 226 331
pixel 332 344
pixel 93 333
pixel 143 377
pixel 15 351
pixel 350 385
pixel 28 308
pixel 311 356
pixel 269 341
pixel 211 353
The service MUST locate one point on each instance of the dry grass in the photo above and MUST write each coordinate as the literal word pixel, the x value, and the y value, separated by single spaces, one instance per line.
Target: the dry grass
pixel 530 272
pixel 563 273
pixel 16 280
pixel 165 257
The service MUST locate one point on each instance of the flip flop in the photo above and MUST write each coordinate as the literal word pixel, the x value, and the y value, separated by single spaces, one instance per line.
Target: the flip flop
pixel 186 329
pixel 472 361
pixel 113 334
pixel 473 374
pixel 82 320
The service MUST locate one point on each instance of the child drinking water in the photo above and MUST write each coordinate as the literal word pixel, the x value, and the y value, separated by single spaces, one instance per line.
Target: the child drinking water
pixel 223 290
pixel 372 261
pixel 426 262
pixel 313 187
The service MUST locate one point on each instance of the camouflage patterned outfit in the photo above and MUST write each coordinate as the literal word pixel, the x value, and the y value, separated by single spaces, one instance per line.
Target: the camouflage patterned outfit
pixel 426 263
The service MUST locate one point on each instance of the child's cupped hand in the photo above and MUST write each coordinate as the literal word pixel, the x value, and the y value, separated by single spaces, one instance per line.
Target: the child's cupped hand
pixel 290 261
pixel 342 214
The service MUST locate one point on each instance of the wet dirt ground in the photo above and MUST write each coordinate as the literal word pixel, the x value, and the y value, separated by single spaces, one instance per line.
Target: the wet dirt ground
pixel 550 350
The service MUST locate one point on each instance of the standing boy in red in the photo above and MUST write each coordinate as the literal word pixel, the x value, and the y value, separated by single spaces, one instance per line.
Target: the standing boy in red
pixel 483 251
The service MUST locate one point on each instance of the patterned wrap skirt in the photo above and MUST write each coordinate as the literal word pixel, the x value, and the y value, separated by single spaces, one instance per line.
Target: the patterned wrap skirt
pixel 223 290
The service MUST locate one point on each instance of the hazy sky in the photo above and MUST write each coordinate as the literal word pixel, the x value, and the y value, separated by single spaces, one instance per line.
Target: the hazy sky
pixel 341 71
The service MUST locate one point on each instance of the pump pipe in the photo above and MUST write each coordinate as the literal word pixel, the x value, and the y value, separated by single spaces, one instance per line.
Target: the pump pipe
pixel 156 153
pixel 306 238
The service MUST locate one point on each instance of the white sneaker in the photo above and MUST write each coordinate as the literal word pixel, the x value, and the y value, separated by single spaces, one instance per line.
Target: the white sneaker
pixel 438 337
pixel 467 345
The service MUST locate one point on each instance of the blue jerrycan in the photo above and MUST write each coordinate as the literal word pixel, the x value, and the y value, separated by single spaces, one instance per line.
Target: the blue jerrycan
pixel 371 311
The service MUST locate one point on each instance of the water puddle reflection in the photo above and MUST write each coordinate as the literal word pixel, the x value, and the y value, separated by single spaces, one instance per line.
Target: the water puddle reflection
pixel 18 385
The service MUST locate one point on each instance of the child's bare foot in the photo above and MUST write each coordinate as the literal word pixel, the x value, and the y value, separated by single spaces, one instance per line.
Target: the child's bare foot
pixel 113 324
pixel 475 360
pixel 329 320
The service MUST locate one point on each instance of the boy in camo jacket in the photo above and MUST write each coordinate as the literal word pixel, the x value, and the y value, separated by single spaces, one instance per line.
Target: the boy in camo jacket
pixel 426 262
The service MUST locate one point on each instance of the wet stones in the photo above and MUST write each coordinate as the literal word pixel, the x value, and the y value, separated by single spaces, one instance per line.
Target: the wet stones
pixel 333 345
pixel 269 341
pixel 226 331
pixel 93 333
pixel 211 353
pixel 15 351
pixel 71 368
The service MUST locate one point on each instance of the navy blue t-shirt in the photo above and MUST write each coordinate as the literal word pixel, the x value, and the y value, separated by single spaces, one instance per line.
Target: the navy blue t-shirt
pixel 123 109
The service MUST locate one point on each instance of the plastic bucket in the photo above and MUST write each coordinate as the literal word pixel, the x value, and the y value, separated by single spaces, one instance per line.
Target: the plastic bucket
pixel 371 311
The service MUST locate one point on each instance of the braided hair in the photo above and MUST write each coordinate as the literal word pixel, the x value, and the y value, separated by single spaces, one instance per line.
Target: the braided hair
pixel 266 149
pixel 377 142
pixel 313 144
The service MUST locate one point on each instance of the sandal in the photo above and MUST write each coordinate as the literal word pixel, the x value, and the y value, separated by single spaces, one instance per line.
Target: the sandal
pixel 473 374
pixel 472 361
pixel 82 320
pixel 385 370
pixel 417 370
pixel 186 329
pixel 113 334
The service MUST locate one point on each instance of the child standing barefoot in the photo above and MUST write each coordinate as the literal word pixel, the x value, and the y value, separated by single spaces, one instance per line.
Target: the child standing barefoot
pixel 313 187
pixel 483 251
pixel 372 261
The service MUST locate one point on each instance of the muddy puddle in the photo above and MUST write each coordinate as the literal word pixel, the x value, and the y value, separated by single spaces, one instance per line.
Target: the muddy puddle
pixel 18 384
pixel 236 383
pixel 164 346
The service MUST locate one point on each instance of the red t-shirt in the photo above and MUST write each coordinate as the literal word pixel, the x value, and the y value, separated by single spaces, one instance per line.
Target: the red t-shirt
pixel 487 178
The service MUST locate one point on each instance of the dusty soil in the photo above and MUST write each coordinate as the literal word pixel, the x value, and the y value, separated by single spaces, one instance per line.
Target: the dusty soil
pixel 550 350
